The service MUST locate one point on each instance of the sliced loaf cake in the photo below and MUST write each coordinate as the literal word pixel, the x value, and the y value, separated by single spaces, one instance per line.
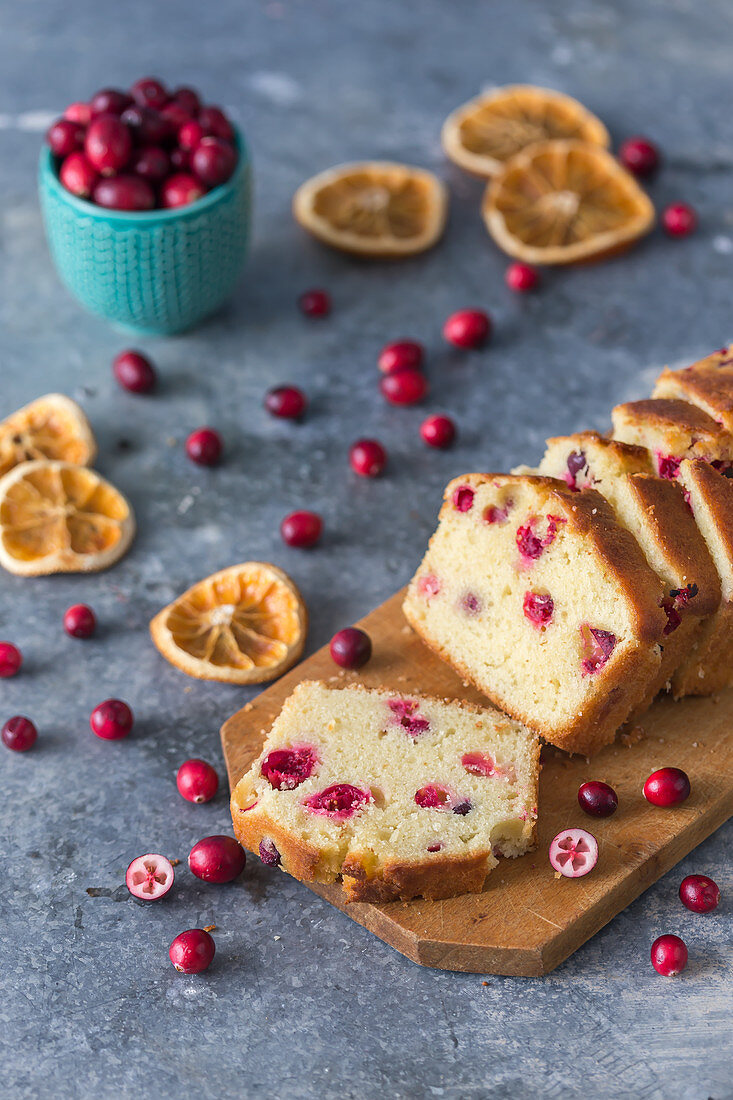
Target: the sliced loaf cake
pixel 672 430
pixel 708 383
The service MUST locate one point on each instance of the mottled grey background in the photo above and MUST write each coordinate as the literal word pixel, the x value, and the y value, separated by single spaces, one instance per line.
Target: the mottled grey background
pixel 301 1002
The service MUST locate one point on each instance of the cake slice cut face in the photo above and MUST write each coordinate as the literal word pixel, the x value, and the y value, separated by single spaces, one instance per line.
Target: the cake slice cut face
pixel 708 383
pixel 672 430
pixel 538 596
pixel 394 795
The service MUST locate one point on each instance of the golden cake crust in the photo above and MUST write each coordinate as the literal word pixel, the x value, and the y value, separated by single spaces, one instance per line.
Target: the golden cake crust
pixel 668 412
pixel 707 383
pixel 629 456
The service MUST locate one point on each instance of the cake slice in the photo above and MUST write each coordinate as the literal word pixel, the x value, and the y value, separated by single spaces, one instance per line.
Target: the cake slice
pixel 395 795
pixel 672 430
pixel 708 383
pixel 539 597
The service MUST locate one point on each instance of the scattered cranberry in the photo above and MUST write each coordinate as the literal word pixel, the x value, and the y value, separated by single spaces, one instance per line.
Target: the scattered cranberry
pixel 204 447
pixel 109 101
pixel 78 176
pixel 287 402
pixel 213 161
pixel 10 660
pixel 216 123
pixel 639 156
pixel 269 853
pixel 192 951
pixel 438 431
pixel 180 189
pixel 149 877
pixel 147 126
pixel 286 769
pixel 669 955
pixel 401 355
pixel 152 163
pixel 404 387
pixel 108 144
pixel 80 621
pixel 538 608
pixel 65 137
pixel 79 112
pixel 679 219
pixel 367 457
pixel 574 852
pixel 463 498
pixel 301 529
pixel 149 92
pixel 124 193
pixel 699 893
pixel 469 328
pixel 597 798
pixel 19 734
pixel 197 781
pixel 134 371
pixel 111 720
pixel 339 801
pixel 667 787
pixel 188 99
pixel 351 647
pixel 190 134
pixel 315 303
pixel 217 859
pixel 522 277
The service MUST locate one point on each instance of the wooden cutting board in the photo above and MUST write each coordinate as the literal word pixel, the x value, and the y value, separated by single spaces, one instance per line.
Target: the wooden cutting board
pixel 527 921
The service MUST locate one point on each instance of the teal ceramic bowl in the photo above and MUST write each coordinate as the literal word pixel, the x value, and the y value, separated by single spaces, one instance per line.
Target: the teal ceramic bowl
pixel 158 272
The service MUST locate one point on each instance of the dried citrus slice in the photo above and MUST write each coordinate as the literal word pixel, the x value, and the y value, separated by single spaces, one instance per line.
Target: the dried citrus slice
pixel 483 134
pixel 243 625
pixel 375 209
pixel 558 202
pixel 60 518
pixel 51 427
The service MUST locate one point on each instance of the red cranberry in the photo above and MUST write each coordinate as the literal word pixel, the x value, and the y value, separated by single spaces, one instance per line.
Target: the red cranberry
pixel 180 189
pixel 463 498
pixel 147 126
pixel 79 112
pixel 109 101
pixel 301 528
pixel 269 853
pixel 669 955
pixel 367 457
pixel 679 220
pixel 699 893
pixel 597 798
pixel 149 92
pixel 600 645
pixel 175 116
pixel 351 647
pixel 190 134
pixel 438 431
pixel 217 859
pixel 479 763
pixel 639 156
pixel 574 852
pixel 134 372
pixel 108 144
pixel 204 447
pixel 522 277
pixel 10 660
pixel 78 176
pixel 19 734
pixel 111 720
pixel 494 514
pixel 315 303
pixel 192 951
pixel 150 877
pixel 213 161
pixel 287 402
pixel 80 621
pixel 538 608
pixel 404 387
pixel 65 137
pixel 469 328
pixel 179 159
pixel 667 787
pixel 124 193
pixel 152 163
pixel 216 123
pixel 197 781
pixel 286 769
pixel 339 801
pixel 188 99
pixel 401 355
pixel 405 713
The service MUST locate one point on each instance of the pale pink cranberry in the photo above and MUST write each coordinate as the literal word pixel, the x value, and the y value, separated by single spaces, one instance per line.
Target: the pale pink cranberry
pixel 574 852
pixel 134 371
pixel 213 161
pixel 315 303
pixel 462 498
pixel 428 586
pixel 286 769
pixel 679 220
pixel 269 853
pixel 367 457
pixel 190 134
pixel 79 112
pixel 668 466
pixel 351 647
pixel 405 714
pixel 597 798
pixel 699 893
pixel 401 355
pixel 80 621
pixel 19 734
pixel 65 137
pixel 188 99
pixel 204 447
pixel 192 951
pixel 109 101
pixel 434 796
pixel 216 123
pixel 494 514
pixel 522 277
pixel 149 92
pixel 108 144
pixel 667 787
pixel 217 859
pixel 538 608
pixel 286 402
pixel 149 877
pixel 599 645
pixel 10 660
pixel 111 720
pixel 339 801
pixel 197 781
pixel 124 193
pixel 438 431
pixel 302 529
pixel 639 156
pixel 669 955
pixel 468 328
pixel 147 126
pixel 152 163
pixel 180 189
pixel 78 176
pixel 404 387
pixel 471 604
pixel 479 763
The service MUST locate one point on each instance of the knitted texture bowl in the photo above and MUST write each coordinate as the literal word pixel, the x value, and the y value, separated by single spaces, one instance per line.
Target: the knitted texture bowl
pixel 156 272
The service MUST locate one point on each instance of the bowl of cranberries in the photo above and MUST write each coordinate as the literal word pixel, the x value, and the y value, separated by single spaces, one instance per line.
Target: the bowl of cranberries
pixel 145 197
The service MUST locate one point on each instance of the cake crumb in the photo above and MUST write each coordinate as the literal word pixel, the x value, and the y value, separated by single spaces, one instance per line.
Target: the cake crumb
pixel 174 862
pixel 632 736
pixel 484 983
pixel 276 937
pixel 209 928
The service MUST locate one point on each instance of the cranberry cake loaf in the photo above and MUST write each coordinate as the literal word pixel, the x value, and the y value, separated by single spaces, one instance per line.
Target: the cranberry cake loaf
pixel 539 597
pixel 672 430
pixel 708 383
pixel 397 796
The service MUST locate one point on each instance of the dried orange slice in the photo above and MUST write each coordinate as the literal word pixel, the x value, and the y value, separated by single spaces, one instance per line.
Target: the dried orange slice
pixel 480 136
pixel 558 202
pixel 243 625
pixel 60 518
pixel 375 209
pixel 51 427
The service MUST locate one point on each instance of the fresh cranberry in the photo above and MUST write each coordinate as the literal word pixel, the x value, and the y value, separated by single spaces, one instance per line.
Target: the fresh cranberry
pixel 216 123
pixel 669 955
pixel 109 101
pixel 197 781
pixel 404 387
pixel 78 176
pixel 179 159
pixel 469 328
pixel 180 189
pixel 438 431
pixel 80 621
pixel 315 303
pixel 351 647
pixel 148 127
pixel 405 713
pixel 124 193
pixel 217 859
pixel 667 787
pixel 597 798
pixel 367 457
pixel 269 853
pixel 679 220
pixel 522 277
pixel 108 144
pixel 339 801
pixel 149 877
pixel 538 608
pixel 462 498
pixel 188 99
pixel 192 951
pixel 574 852
pixel 190 134
pixel 286 769
pixel 599 645
pixel 204 447
pixel 699 893
pixel 65 137
pixel 152 163
pixel 287 402
pixel 19 734
pixel 301 529
pixel 639 156
pixel 175 116
pixel 111 720
pixel 149 92
pixel 213 161
pixel 401 355
pixel 134 371
pixel 79 112
pixel 10 660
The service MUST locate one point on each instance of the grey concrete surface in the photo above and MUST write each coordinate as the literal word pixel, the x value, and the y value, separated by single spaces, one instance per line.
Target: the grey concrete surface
pixel 301 1002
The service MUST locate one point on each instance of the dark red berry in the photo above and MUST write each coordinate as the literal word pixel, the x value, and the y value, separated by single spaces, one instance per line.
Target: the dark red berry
pixel 301 529
pixel 669 955
pixel 597 798
pixel 179 159
pixel 679 220
pixel 175 116
pixel 367 457
pixel 180 189
pixel 538 608
pixel 639 156
pixel 204 447
pixel 217 859
pixel 134 372
pixel 19 734
pixel 152 163
pixel 78 176
pixel 438 431
pixel 667 787
pixel 109 101
pixel 468 328
pixel 213 161
pixel 315 303
pixel 190 134
pixel 79 112
pixel 216 123
pixel 10 660
pixel 699 893
pixel 522 277
pixel 286 769
pixel 80 621
pixel 124 193
pixel 287 402
pixel 351 647
pixel 192 951
pixel 65 137
pixel 147 126
pixel 188 99
pixel 269 853
pixel 401 355
pixel 108 144
pixel 149 92
pixel 111 720
pixel 404 387
pixel 197 781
